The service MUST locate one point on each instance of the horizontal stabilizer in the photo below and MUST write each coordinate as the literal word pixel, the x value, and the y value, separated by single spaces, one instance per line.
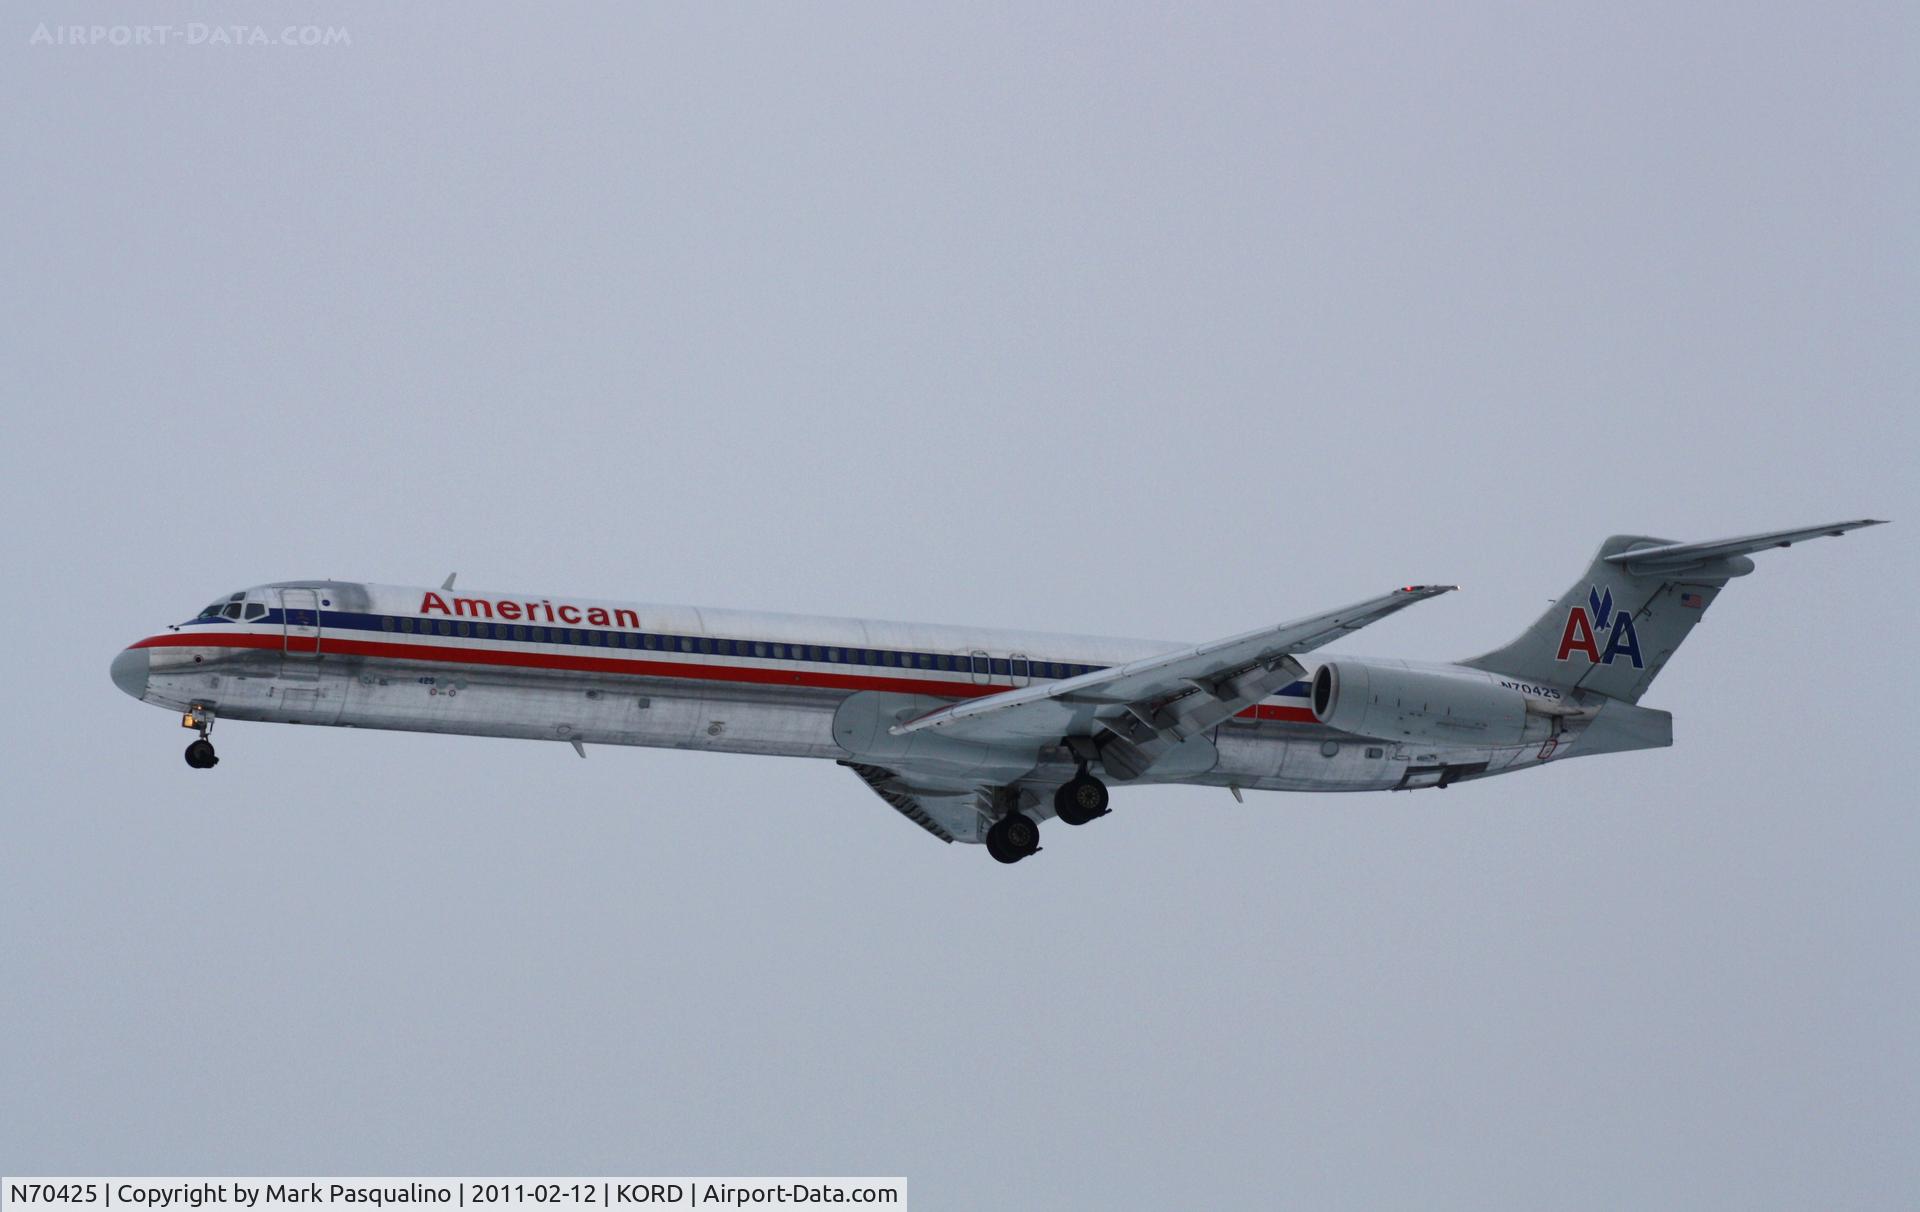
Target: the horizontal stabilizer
pixel 1678 557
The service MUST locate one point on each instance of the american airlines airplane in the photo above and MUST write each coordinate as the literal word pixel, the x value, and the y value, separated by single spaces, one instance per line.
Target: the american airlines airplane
pixel 973 735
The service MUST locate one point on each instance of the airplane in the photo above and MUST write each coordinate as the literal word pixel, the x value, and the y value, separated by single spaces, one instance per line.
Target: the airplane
pixel 973 735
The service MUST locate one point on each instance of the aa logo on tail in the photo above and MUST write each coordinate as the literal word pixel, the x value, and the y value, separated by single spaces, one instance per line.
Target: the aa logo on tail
pixel 1585 625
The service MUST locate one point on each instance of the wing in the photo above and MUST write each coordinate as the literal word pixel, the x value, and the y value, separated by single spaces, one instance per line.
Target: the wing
pixel 1678 557
pixel 1159 700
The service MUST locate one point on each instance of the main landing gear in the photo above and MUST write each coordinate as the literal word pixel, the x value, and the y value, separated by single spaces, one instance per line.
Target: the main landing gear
pixel 200 754
pixel 1077 801
pixel 1080 799
pixel 1013 837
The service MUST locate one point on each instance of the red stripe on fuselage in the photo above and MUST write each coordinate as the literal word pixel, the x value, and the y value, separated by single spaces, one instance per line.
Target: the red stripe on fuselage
pixel 518 659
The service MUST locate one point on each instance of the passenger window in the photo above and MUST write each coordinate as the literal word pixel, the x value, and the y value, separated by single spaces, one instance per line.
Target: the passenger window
pixel 519 631
pixel 539 635
pixel 386 622
pixel 406 624
pixel 759 650
pixel 833 654
pixel 649 641
pixel 463 628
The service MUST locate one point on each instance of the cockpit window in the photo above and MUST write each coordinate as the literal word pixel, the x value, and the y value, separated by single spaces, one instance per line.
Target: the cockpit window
pixel 227 607
pixel 256 610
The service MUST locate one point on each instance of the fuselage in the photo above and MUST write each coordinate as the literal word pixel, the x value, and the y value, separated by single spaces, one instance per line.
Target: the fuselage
pixel 541 667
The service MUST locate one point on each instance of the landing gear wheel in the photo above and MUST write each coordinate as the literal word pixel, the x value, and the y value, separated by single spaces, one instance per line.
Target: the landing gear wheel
pixel 200 755
pixel 1080 799
pixel 1013 837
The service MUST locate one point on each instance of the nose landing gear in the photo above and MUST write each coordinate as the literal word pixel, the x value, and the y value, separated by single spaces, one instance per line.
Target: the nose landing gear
pixel 200 754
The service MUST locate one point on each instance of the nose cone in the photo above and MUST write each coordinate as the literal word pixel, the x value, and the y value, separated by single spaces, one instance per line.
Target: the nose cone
pixel 130 672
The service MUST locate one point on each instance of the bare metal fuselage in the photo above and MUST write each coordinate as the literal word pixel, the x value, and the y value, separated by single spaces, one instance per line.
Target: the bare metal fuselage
pixel 536 668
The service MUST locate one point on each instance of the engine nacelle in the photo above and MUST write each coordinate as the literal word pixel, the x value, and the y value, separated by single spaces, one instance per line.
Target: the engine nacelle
pixel 1445 705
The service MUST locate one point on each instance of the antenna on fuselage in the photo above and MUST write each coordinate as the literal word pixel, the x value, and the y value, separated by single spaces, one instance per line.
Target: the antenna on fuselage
pixel 448 583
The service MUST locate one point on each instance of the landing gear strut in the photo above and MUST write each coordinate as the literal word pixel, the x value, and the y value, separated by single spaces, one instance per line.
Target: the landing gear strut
pixel 1080 799
pixel 200 754
pixel 1013 837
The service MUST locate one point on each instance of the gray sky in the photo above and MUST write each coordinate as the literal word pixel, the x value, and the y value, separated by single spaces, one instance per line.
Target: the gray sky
pixel 1130 320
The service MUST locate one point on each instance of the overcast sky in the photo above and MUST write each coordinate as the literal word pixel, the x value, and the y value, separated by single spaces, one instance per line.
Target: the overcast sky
pixel 1135 320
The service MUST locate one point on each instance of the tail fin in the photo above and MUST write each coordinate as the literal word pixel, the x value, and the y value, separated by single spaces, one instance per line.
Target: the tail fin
pixel 1620 623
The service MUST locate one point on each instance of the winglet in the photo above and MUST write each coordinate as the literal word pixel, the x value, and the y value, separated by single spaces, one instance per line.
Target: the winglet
pixel 448 583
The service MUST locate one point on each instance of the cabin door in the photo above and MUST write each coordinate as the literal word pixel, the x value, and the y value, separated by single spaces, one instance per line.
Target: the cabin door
pixel 300 614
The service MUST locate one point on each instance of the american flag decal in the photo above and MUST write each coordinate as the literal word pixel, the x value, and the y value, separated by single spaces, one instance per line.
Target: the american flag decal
pixel 1696 601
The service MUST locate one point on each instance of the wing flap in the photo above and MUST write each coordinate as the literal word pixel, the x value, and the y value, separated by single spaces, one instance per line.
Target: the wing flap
pixel 943 815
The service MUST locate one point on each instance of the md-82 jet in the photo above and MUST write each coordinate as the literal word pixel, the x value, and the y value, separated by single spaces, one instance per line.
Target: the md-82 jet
pixel 973 735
